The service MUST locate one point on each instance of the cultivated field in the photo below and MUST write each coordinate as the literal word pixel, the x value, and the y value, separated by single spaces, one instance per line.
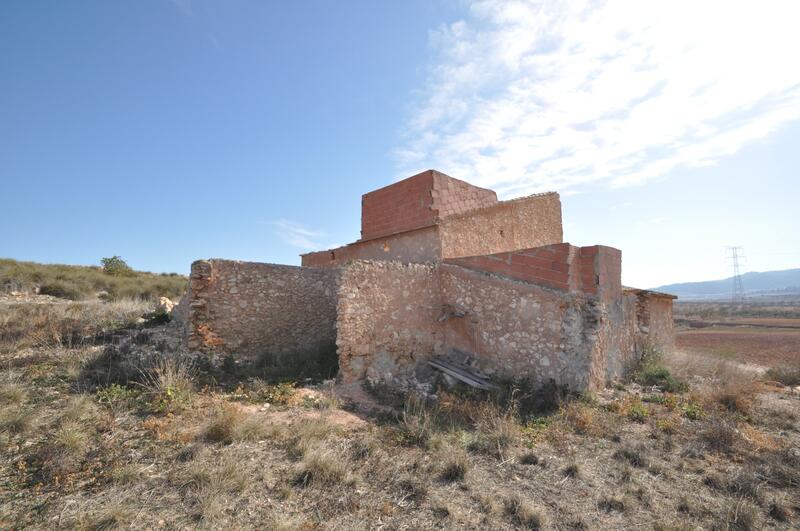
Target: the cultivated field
pixel 762 333
pixel 105 424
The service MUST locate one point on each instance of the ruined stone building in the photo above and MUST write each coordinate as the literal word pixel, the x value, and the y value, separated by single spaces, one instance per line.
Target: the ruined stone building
pixel 443 270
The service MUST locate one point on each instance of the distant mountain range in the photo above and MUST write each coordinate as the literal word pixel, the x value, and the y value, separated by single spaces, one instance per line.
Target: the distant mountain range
pixel 768 283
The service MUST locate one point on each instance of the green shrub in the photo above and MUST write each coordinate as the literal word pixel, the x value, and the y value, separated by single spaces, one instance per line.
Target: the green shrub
pixel 692 411
pixel 651 372
pixel 116 266
pixel 638 412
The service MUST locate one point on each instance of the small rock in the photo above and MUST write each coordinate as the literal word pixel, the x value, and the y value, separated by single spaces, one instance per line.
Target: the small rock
pixel 164 305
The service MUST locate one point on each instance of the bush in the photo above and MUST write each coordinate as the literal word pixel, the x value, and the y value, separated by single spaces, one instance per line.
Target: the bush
pixel 61 291
pixel 116 266
pixel 637 411
pixel 651 372
pixel 786 375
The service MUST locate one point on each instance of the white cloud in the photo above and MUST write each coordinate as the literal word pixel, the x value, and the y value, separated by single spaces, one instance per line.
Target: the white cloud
pixel 297 235
pixel 528 96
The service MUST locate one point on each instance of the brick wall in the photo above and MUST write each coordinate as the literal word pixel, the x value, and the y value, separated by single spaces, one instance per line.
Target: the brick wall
pixel 286 314
pixel 418 201
pixel 505 226
pixel 453 196
pixel 402 206
pixel 594 270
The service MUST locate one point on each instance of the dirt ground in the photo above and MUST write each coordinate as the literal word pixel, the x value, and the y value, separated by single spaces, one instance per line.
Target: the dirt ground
pixel 767 347
pixel 86 445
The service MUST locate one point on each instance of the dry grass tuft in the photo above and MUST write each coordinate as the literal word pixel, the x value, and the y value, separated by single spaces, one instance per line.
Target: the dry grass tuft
pixel 581 417
pixel 636 457
pixel 496 430
pixel 231 423
pixel 720 435
pixel 212 484
pixel 738 396
pixel 71 437
pixel 169 382
pixel 611 503
pixel 16 420
pixel 127 474
pixel 572 471
pixel 79 408
pixel 417 422
pixel 116 513
pixel 524 514
pixel 12 389
pixel 455 468
pixel 305 435
pixel 320 467
pixel 738 516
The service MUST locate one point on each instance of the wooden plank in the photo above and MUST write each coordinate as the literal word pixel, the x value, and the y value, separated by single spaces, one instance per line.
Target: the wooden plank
pixel 462 374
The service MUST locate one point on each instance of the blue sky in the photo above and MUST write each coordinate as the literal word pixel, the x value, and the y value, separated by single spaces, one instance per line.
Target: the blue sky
pixel 167 131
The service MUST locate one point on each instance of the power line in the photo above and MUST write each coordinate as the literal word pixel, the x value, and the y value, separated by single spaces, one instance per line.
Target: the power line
pixel 737 290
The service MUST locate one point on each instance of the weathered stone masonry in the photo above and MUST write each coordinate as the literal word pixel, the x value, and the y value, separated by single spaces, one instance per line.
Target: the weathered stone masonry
pixel 250 310
pixel 442 269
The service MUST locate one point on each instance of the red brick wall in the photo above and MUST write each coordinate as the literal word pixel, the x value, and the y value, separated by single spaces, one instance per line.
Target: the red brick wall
pixel 417 202
pixel 593 270
pixel 402 206
pixel 452 196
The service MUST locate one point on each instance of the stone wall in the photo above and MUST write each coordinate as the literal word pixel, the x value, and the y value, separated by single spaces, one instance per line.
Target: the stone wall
pixel 250 310
pixel 505 226
pixel 654 319
pixel 388 320
pixel 415 246
pixel 519 330
pixel 393 317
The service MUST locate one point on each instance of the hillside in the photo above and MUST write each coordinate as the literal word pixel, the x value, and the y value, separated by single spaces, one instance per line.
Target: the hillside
pixel 87 282
pixel 783 282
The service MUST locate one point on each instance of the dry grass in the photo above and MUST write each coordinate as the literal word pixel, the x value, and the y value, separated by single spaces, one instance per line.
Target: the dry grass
pixel 16 420
pixel 523 513
pixel 212 483
pixel 82 282
pixel 64 325
pixel 785 375
pixel 169 382
pixel 115 513
pixel 456 466
pixel 12 390
pixel 321 467
pixel 229 461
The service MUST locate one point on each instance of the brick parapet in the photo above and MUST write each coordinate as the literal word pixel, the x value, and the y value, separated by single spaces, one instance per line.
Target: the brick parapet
pixel 591 270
